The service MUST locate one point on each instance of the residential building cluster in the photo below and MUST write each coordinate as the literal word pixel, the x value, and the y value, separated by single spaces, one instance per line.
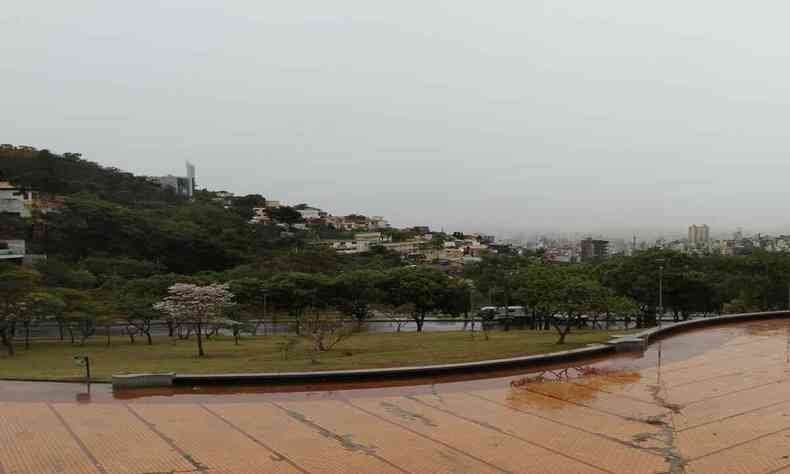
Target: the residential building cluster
pixel 424 247
pixel 21 203
pixel 737 245
pixel 313 216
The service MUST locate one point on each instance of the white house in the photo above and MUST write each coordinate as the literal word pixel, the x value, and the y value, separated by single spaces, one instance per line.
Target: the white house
pixel 12 250
pixel 310 213
pixel 15 200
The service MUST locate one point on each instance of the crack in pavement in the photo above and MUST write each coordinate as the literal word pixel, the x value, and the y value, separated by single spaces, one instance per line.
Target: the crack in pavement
pixel 346 440
pixel 666 435
pixel 401 412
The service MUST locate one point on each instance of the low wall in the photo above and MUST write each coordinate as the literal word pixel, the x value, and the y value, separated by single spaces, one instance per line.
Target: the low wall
pixel 656 333
pixel 142 380
pixel 635 342
pixel 396 372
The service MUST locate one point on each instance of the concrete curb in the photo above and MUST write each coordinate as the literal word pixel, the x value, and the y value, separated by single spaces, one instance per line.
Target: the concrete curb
pixel 142 380
pixel 656 333
pixel 81 380
pixel 630 343
pixel 394 372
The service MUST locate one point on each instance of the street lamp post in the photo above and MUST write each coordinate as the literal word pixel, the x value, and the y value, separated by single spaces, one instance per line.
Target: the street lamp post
pixel 470 287
pixel 660 262
pixel 265 305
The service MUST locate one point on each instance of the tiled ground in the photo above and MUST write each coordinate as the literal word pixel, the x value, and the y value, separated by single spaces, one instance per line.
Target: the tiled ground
pixel 716 401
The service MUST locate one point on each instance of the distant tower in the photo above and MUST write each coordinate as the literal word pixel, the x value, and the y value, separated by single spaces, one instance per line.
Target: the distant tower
pixel 191 178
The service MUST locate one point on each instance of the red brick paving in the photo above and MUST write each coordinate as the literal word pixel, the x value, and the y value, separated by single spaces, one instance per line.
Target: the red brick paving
pixel 698 409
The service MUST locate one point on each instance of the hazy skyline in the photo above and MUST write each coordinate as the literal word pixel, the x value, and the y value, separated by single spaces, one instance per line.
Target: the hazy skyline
pixel 607 117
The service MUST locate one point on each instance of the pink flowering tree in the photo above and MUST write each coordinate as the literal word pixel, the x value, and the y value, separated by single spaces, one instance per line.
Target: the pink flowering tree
pixel 196 306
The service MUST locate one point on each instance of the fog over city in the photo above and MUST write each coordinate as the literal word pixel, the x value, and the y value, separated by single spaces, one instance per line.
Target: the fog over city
pixel 609 117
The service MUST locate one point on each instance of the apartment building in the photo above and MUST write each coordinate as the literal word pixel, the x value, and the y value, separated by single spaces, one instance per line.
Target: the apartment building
pixel 699 234
pixel 592 249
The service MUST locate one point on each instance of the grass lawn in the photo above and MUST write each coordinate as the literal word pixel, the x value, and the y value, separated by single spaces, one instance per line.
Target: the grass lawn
pixel 53 359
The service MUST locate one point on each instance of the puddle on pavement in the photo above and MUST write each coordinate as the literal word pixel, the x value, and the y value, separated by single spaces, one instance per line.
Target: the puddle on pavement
pixel 551 389
pixel 569 381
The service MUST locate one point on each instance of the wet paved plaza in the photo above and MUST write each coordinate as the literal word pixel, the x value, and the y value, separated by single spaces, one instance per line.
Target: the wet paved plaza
pixel 710 401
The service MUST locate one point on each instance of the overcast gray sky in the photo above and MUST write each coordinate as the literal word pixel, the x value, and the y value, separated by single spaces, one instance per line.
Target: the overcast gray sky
pixel 607 116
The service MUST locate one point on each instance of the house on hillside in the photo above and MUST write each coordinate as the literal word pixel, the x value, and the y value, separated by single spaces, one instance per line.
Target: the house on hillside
pixel 361 243
pixel 260 215
pixel 311 214
pixel 15 200
pixel 378 223
pixel 12 250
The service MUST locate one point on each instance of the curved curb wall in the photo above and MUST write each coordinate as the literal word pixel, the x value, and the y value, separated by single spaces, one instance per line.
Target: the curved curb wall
pixel 642 339
pixel 415 371
pixel 656 333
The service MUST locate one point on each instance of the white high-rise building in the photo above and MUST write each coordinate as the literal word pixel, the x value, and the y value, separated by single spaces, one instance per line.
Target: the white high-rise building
pixel 182 185
pixel 699 234
pixel 191 177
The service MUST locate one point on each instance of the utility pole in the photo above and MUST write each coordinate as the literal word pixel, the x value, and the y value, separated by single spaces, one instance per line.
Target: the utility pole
pixel 660 262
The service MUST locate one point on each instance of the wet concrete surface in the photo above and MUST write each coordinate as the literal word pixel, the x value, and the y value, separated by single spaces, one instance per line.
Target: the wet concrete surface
pixel 710 400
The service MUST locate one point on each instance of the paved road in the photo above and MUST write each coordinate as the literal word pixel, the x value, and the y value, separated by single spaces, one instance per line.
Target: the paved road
pixel 714 401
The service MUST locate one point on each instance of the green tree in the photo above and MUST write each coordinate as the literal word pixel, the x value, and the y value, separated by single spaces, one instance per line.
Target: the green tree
pixel 252 299
pixel 106 268
pixel 83 313
pixel 243 205
pixel 575 296
pixel 355 292
pixel 537 288
pixel 499 277
pixel 422 288
pixel 638 278
pixel 57 272
pixel 39 306
pixel 296 292
pixel 286 215
pixel 621 306
pixel 457 298
pixel 15 286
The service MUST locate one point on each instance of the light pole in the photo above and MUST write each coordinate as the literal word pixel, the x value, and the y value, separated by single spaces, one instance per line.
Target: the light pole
pixel 470 289
pixel 265 305
pixel 660 262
